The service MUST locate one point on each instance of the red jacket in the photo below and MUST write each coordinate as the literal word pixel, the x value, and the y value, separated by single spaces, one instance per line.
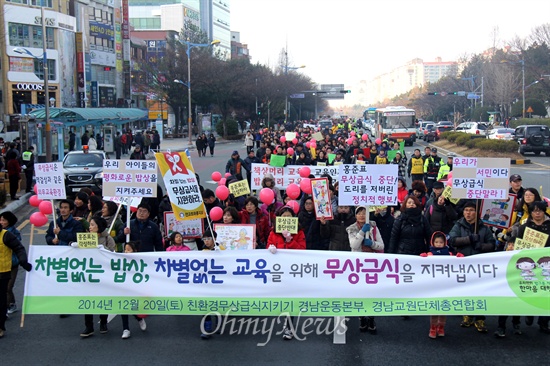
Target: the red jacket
pixel 298 241
pixel 13 167
pixel 401 194
pixel 262 224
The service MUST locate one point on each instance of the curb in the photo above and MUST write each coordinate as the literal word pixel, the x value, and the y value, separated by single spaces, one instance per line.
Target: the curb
pixel 15 205
pixel 520 161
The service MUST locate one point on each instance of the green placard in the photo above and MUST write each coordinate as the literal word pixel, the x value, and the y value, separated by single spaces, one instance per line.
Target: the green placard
pixel 391 154
pixel 331 158
pixel 277 160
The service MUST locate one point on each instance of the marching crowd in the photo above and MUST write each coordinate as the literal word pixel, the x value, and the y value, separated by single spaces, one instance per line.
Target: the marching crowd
pixel 424 223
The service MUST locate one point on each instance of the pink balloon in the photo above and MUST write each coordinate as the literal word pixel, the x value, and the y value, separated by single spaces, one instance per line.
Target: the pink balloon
pixel 216 176
pixel 261 132
pixel 312 140
pixel 378 141
pixel 352 133
pixel 313 145
pixel 349 141
pixel 45 207
pixel 35 189
pixel 450 179
pixel 308 144
pixel 364 137
pixel 216 213
pixel 222 182
pixel 267 195
pixel 305 185
pixel 227 174
pixel 35 201
pixel 290 151
pixel 282 139
pixel 304 172
pixel 295 141
pixel 222 192
pixel 294 205
pixel 38 219
pixel 293 191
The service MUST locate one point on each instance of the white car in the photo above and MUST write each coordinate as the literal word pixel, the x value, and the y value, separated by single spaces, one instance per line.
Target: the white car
pixel 475 128
pixel 506 134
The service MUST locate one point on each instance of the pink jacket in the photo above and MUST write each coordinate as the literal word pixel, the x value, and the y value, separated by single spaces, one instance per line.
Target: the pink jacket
pixel 177 248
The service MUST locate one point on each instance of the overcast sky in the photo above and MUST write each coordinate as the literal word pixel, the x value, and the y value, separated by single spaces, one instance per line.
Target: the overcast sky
pixel 345 41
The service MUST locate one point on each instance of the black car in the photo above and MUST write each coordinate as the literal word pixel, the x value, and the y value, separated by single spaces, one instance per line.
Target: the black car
pixel 533 138
pixel 83 169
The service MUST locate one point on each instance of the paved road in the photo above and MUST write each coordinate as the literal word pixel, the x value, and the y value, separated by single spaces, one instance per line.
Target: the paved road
pixel 50 340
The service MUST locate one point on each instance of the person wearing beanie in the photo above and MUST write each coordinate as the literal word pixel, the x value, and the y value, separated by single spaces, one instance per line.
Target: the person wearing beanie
pixel 469 236
pixel 235 165
pixel 81 210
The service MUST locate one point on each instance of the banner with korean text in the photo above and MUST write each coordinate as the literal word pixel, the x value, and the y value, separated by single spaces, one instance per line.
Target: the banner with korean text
pixel 67 280
pixel 50 181
pixel 288 174
pixel 181 184
pixel 134 178
pixel 481 178
pixel 367 185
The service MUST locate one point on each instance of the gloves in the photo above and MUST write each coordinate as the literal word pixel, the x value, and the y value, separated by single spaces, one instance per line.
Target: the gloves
pixel 27 266
pixel 74 244
pixel 424 255
pixel 474 238
pixel 367 242
pixel 459 255
pixel 365 228
pixel 487 247
pixel 272 249
pixel 287 235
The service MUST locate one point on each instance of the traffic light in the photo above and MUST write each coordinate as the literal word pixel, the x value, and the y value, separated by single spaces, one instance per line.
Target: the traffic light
pixel 435 93
pixel 345 91
pixel 453 93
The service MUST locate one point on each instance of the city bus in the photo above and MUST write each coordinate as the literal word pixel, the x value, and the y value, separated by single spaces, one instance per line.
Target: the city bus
pixel 396 123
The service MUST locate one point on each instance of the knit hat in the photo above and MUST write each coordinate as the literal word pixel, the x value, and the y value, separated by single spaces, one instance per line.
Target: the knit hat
pixel 235 152
pixel 9 217
pixel 359 208
pixel 438 185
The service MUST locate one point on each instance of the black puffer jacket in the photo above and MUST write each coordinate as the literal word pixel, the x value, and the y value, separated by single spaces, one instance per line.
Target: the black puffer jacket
pixel 461 238
pixel 384 223
pixel 312 231
pixel 411 233
pixel 441 218
pixel 335 230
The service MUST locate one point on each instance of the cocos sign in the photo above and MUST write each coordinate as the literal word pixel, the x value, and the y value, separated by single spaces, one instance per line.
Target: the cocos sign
pixel 22 86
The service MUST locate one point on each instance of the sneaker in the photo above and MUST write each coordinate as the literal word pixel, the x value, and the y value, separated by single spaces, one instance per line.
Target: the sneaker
pixel 371 326
pixel 467 321
pixel 440 331
pixel 287 334
pixel 125 334
pixel 87 332
pixel 480 326
pixel 500 333
pixel 517 331
pixel 363 324
pixel 103 328
pixel 142 324
pixel 12 308
pixel 433 332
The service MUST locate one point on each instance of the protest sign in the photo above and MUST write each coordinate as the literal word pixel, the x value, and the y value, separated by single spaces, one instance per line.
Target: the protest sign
pixel 137 178
pixel 239 188
pixel 284 176
pixel 448 194
pixel 313 283
pixel 181 184
pixel 321 164
pixel 50 181
pixel 497 212
pixel 289 224
pixel 277 160
pixel 86 240
pixel 187 228
pixel 331 158
pixel 236 236
pixel 289 136
pixel 534 238
pixel 480 178
pixel 317 136
pixel 367 185
pixel 321 198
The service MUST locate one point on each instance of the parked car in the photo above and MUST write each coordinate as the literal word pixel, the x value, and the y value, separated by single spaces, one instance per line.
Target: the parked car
pixel 533 138
pixel 475 128
pixel 420 128
pixel 501 134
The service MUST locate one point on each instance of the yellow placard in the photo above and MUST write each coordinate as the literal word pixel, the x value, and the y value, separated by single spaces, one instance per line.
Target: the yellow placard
pixel 338 162
pixel 318 136
pixel 239 188
pixel 360 162
pixel 532 239
pixel 321 164
pixel 286 223
pixel 86 240
pixel 448 193
pixel 374 208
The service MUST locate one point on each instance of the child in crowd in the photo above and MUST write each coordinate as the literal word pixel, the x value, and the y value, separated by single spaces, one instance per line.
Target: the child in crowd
pixel 176 243
pixel 438 247
pixel 131 247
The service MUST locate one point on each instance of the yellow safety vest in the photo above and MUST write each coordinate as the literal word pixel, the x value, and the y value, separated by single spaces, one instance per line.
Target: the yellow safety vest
pixel 27 156
pixel 5 254
pixel 417 165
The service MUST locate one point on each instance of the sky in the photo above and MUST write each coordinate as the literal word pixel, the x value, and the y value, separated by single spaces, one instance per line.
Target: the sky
pixel 346 41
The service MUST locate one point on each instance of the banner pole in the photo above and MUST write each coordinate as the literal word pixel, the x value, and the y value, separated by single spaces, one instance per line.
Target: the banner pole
pixel 22 322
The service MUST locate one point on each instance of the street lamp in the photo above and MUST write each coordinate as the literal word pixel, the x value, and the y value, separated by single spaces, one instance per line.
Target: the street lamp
pixel 188 84
pixel 286 68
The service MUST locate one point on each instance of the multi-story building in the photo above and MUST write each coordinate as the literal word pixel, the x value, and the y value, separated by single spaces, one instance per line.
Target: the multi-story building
pixel 238 49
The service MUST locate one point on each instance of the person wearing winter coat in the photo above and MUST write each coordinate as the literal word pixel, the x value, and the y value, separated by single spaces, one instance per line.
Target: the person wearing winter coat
pixel 402 190
pixel 335 229
pixel 469 236
pixel 441 214
pixel 200 143
pixel 384 223
pixel 249 142
pixel 137 154
pixel 401 163
pixel 211 144
pixel 284 239
pixel 235 165
pixel 411 232
pixel 66 226
pixel 311 226
pixel 252 214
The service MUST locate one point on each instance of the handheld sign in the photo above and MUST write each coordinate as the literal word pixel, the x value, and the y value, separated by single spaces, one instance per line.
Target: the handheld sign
pixel 321 198
pixel 86 240
pixel 50 181
pixel 239 188
pixel 286 223
pixel 236 236
pixel 480 178
pixel 134 178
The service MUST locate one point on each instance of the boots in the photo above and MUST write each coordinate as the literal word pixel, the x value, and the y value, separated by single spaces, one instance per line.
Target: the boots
pixel 433 332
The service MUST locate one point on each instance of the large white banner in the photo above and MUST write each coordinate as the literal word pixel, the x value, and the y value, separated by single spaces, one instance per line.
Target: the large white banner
pixel 288 174
pixel 67 280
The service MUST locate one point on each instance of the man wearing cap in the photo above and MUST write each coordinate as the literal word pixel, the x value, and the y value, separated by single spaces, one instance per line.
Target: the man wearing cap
pixel 143 230
pixel 446 168
pixel 235 165
pixel 515 186
pixel 431 170
pixel 137 154
pixel 28 166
